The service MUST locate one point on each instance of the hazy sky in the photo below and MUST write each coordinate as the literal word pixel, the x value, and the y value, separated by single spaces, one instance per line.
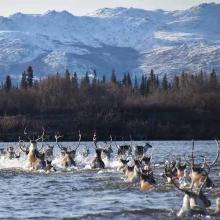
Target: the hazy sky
pixel 82 7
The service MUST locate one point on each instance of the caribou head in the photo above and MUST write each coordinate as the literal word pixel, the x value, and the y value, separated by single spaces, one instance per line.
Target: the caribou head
pixel 123 165
pixel 107 151
pixel 147 180
pixel 97 162
pixel 145 163
pixel 198 171
pixel 194 201
pixel 132 172
pixel 68 153
pixel 48 151
pixel 170 171
pixel 33 153
pixel 180 169
pixel 140 150
pixel 124 151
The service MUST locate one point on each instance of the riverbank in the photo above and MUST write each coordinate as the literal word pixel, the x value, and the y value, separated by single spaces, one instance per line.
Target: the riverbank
pixel 140 124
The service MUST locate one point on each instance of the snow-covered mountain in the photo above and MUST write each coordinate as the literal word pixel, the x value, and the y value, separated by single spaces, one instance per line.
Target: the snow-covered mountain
pixel 126 39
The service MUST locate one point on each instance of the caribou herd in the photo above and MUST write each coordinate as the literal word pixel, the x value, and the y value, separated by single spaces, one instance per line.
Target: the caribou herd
pixel 187 176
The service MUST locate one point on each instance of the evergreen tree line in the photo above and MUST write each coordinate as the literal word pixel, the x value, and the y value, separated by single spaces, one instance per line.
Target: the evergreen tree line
pixel 185 106
pixel 148 84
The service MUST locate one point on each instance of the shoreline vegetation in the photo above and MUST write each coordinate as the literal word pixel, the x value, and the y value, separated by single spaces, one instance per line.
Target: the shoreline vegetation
pixel 184 107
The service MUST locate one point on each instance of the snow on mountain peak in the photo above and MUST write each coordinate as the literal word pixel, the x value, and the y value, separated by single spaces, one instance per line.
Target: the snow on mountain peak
pixel 127 39
pixel 125 12
pixel 57 13
pixel 106 12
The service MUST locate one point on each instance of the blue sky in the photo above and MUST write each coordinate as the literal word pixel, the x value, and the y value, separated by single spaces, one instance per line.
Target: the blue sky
pixel 82 7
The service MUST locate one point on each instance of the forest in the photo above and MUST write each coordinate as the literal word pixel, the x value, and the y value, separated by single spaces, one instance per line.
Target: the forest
pixel 154 108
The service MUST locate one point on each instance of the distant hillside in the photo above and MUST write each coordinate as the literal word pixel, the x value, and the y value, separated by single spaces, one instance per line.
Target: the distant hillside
pixel 126 39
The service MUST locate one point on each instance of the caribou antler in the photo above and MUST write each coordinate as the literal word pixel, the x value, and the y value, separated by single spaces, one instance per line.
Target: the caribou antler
pixel 116 144
pixel 180 189
pixel 57 137
pixel 217 156
pixel 80 136
pixel 41 138
pixel 110 139
pixel 95 140
pixel 26 134
pixel 42 135
pixel 193 153
pixel 186 160
pixel 19 141
pixel 110 143
pixel 206 176
pixel 94 137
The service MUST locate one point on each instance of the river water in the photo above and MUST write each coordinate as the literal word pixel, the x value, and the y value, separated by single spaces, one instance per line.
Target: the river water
pixel 83 193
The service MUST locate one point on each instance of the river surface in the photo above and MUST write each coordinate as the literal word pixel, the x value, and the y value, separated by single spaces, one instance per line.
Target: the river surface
pixel 83 193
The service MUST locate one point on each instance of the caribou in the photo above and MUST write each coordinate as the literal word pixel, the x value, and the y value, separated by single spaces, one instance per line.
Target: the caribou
pixel 68 154
pixel 194 200
pixel 124 151
pixel 48 151
pixel 140 150
pixel 176 171
pixel 147 180
pixel 123 165
pixel 132 173
pixel 197 171
pixel 145 162
pixel 35 157
pixel 170 170
pixel 107 151
pixel 11 153
pixel 97 162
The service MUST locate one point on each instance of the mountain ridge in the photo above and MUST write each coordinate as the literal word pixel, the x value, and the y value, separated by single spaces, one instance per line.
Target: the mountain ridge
pixel 125 39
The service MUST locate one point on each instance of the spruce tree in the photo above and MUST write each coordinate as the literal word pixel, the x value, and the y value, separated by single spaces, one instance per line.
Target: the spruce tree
pixel 152 82
pixel 176 83
pixel 143 85
pixel 94 80
pixel 213 80
pixel 67 75
pixel 201 79
pixel 135 83
pixel 183 80
pixel 157 82
pixel 129 82
pixel 7 84
pixel 113 77
pixel 75 81
pixel 124 80
pixel 85 81
pixel 24 83
pixel 164 83
pixel 30 76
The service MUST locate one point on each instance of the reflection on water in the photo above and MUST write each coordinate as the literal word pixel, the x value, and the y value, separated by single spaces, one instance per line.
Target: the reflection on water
pixel 94 194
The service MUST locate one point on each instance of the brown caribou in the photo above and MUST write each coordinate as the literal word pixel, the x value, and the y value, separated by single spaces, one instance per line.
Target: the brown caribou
pixel 68 153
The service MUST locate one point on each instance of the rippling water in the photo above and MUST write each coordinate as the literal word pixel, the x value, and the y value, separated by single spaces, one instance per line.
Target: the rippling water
pixel 82 193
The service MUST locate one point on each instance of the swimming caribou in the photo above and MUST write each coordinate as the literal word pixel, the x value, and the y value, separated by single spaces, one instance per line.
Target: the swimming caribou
pixel 34 156
pixel 107 151
pixel 11 153
pixel 68 154
pixel 197 171
pixel 97 162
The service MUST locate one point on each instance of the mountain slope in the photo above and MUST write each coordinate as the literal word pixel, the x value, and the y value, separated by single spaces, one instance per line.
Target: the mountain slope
pixel 126 39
